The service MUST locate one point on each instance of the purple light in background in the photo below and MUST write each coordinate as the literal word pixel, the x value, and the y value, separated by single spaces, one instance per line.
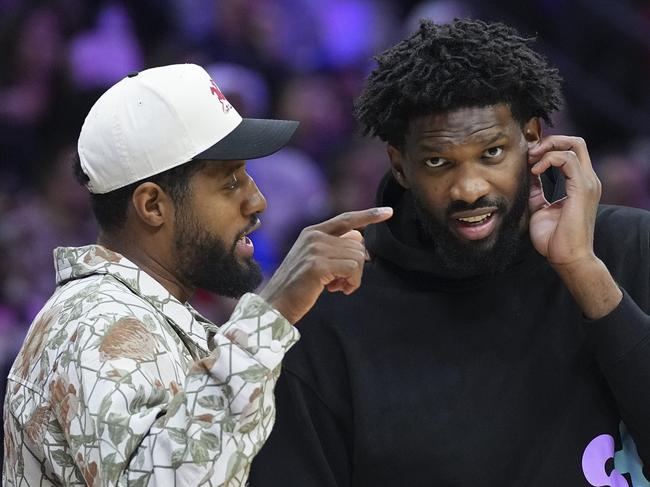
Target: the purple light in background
pixel 350 29
pixel 101 57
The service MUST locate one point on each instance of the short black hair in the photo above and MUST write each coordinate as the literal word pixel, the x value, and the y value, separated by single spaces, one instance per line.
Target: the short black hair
pixel 110 208
pixel 443 67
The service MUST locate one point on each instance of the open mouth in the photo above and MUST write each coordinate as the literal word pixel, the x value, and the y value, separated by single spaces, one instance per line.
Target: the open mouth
pixel 243 244
pixel 243 239
pixel 475 220
pixel 243 236
pixel 476 224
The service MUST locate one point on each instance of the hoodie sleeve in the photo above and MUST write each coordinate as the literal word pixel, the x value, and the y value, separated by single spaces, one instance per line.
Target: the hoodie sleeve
pixel 621 340
pixel 621 343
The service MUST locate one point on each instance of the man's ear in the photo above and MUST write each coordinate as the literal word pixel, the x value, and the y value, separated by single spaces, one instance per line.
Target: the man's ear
pixel 397 165
pixel 152 205
pixel 532 131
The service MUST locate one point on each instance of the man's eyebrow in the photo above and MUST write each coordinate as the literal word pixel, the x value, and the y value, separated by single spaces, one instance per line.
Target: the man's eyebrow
pixel 487 140
pixel 477 139
pixel 226 169
pixel 236 167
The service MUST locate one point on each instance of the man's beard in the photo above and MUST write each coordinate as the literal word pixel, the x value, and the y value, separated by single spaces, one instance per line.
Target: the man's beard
pixel 204 262
pixel 476 257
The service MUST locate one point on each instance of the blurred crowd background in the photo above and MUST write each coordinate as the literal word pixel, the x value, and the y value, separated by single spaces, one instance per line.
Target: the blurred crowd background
pixel 297 59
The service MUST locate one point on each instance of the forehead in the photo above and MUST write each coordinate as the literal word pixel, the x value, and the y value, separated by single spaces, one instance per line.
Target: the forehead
pixel 462 125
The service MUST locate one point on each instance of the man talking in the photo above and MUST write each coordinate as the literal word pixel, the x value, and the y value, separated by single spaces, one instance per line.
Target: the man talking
pixel 500 337
pixel 119 381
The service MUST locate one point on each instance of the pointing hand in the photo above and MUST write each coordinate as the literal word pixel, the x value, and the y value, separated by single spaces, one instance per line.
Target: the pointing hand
pixel 327 255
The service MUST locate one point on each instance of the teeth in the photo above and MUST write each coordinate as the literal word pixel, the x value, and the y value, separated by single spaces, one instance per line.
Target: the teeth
pixel 475 219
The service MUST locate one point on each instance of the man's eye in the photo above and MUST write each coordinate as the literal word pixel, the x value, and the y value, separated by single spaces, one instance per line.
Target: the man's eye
pixel 232 184
pixel 435 162
pixel 493 152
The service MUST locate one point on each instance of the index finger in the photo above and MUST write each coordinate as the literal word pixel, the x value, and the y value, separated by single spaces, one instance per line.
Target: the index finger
pixel 560 143
pixel 353 220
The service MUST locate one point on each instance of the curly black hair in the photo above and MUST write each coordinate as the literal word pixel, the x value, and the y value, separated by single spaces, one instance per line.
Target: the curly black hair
pixel 467 63
pixel 110 208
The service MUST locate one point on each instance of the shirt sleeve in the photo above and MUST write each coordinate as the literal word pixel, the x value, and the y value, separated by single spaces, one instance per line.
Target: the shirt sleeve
pixel 124 426
pixel 621 343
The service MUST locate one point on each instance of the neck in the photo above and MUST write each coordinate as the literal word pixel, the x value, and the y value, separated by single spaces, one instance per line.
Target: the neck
pixel 149 261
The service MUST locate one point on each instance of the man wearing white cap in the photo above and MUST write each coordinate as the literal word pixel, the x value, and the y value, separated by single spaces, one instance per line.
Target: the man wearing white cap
pixel 119 380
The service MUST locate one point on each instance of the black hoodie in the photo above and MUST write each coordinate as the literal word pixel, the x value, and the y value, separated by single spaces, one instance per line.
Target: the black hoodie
pixel 423 379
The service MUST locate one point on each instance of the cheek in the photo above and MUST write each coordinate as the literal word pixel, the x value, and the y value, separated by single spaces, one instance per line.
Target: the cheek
pixel 510 179
pixel 433 197
pixel 216 220
pixel 215 211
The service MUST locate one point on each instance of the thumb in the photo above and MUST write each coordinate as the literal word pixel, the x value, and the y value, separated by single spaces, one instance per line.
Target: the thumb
pixel 353 235
pixel 356 235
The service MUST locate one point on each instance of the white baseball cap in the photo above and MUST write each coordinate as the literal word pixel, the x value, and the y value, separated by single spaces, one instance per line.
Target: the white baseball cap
pixel 163 117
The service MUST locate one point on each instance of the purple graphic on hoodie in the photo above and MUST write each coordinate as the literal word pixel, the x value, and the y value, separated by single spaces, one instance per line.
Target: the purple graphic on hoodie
pixel 626 461
pixel 596 455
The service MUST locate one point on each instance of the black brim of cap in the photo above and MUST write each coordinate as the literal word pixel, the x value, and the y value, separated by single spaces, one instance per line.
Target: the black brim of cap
pixel 253 138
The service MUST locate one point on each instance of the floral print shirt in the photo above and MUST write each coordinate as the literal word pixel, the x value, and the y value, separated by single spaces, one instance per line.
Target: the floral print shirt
pixel 119 383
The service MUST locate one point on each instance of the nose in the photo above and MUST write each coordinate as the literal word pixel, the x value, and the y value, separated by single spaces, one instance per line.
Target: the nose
pixel 468 184
pixel 255 202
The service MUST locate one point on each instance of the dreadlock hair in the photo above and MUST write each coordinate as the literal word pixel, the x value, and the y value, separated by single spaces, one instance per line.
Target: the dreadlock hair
pixel 467 63
pixel 110 208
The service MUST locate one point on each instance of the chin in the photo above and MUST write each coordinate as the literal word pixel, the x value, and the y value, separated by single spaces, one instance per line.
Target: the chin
pixel 485 244
pixel 246 261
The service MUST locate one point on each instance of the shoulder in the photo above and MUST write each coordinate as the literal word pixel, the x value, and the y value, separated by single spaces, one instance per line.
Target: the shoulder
pixel 91 313
pixel 622 217
pixel 622 242
pixel 99 301
pixel 78 312
pixel 621 228
pixel 619 225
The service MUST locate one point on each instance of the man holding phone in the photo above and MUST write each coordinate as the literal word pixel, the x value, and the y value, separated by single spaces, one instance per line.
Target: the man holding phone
pixel 502 336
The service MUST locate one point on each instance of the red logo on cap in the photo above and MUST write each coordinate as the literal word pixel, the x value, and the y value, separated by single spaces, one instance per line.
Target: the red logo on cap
pixel 216 91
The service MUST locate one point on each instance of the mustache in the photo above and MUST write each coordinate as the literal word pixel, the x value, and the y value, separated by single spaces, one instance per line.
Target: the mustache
pixel 482 202
pixel 254 221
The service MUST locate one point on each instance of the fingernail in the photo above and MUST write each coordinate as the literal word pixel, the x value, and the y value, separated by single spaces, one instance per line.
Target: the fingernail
pixel 384 210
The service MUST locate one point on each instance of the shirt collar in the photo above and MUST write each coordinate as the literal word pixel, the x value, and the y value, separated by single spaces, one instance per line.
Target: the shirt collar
pixel 72 263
